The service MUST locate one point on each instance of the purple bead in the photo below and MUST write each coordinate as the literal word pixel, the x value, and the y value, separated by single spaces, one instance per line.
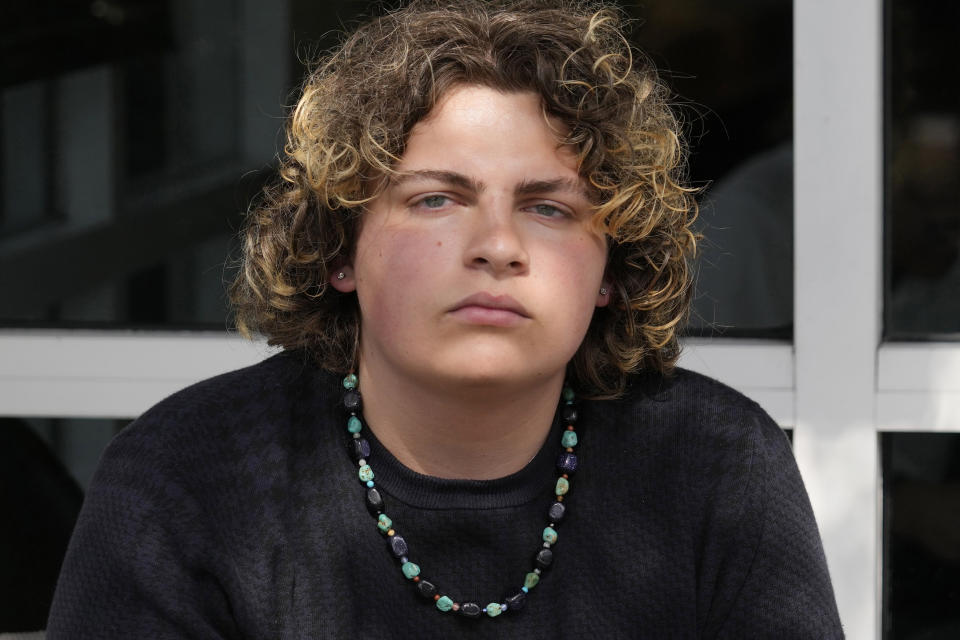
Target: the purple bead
pixel 557 511
pixel 398 545
pixel 359 448
pixel 567 462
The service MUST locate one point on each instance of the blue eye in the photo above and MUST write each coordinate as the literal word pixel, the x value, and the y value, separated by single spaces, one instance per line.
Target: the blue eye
pixel 434 202
pixel 548 211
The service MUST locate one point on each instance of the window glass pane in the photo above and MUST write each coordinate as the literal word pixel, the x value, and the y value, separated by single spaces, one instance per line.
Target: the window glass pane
pixel 180 105
pixel 732 65
pixel 26 176
pixel 922 168
pixel 125 169
pixel 921 525
pixel 45 464
pixel 135 141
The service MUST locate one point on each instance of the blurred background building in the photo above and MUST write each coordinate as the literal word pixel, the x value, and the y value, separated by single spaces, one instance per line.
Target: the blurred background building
pixel 825 137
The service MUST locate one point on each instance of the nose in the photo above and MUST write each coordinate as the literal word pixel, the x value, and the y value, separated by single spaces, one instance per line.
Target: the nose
pixel 497 242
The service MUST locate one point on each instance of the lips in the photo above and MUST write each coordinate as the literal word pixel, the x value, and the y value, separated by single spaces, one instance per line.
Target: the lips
pixel 488 309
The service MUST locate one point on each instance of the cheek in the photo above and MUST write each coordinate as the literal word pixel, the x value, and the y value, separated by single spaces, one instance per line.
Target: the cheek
pixel 394 269
pixel 574 282
pixel 582 266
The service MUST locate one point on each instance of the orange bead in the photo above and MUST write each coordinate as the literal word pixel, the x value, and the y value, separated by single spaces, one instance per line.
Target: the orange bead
pixel 559 498
pixel 569 427
pixel 391 532
pixel 416 578
pixel 566 476
pixel 436 597
pixel 569 449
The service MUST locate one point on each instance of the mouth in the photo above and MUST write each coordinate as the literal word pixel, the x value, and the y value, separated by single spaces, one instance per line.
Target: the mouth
pixel 488 309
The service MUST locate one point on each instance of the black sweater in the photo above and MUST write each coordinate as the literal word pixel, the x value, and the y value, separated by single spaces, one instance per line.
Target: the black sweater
pixel 233 510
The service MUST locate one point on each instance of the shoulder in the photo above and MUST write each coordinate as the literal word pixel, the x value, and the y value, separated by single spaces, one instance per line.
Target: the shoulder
pixel 696 433
pixel 689 405
pixel 274 380
pixel 231 430
pixel 229 404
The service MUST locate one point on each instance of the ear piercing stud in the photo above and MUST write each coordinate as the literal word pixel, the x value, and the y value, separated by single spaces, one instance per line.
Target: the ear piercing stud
pixel 603 291
pixel 341 275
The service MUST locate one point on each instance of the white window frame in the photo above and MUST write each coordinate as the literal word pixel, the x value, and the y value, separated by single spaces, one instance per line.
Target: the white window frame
pixel 837 385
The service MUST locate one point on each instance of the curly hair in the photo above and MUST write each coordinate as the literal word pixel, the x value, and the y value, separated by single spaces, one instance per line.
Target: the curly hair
pixel 349 128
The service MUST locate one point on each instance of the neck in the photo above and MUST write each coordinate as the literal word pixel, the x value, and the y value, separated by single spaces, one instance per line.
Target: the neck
pixel 468 431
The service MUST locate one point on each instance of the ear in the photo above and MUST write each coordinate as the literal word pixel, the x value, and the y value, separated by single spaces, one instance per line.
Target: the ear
pixel 342 279
pixel 605 293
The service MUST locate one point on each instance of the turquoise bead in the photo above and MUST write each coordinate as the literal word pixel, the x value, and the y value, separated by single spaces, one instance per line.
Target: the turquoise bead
pixel 365 473
pixel 568 394
pixel 354 425
pixel 350 382
pixel 549 535
pixel 444 603
pixel 530 580
pixel 384 523
pixel 410 570
pixel 494 609
pixel 563 486
pixel 569 439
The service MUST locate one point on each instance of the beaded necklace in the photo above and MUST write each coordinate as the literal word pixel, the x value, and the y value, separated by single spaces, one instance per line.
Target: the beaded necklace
pixel 566 464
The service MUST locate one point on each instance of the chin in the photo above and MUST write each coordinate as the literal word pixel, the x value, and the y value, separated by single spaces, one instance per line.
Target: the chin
pixel 486 372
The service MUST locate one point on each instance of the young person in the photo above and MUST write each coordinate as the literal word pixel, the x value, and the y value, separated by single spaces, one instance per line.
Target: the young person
pixel 476 261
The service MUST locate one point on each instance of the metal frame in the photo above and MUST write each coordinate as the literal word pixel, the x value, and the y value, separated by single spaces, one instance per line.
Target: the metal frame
pixel 838 283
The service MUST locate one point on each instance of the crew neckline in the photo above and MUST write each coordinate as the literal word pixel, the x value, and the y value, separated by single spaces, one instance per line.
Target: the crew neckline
pixel 430 492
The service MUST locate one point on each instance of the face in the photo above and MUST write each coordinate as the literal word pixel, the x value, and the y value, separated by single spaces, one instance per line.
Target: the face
pixel 476 266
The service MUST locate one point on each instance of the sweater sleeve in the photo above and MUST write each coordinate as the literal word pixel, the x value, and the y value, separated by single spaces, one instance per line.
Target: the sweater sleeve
pixel 764 558
pixel 137 565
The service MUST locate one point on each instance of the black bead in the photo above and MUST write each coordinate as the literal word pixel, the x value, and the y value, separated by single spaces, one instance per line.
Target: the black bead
pixel 470 609
pixel 569 415
pixel 516 601
pixel 543 559
pixel 426 589
pixel 374 501
pixel 351 401
pixel 398 545
pixel 567 462
pixel 556 512
pixel 359 448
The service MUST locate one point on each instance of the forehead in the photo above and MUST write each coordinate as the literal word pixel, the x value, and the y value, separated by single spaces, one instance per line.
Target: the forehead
pixel 478 128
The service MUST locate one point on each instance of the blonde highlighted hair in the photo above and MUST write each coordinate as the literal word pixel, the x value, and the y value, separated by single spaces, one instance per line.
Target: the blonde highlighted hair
pixel 349 128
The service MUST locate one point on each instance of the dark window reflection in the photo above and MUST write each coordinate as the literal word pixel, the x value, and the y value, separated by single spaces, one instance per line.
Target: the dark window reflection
pixel 129 154
pixel 732 65
pixel 921 518
pixel 44 464
pixel 922 169
pixel 127 160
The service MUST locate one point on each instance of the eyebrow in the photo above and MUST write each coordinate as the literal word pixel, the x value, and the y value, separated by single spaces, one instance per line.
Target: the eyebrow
pixel 525 188
pixel 447 177
pixel 568 185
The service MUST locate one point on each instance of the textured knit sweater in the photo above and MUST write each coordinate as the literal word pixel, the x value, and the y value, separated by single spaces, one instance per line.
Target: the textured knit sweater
pixel 233 510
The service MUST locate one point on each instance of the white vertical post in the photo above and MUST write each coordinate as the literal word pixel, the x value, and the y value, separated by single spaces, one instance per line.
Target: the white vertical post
pixel 838 248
